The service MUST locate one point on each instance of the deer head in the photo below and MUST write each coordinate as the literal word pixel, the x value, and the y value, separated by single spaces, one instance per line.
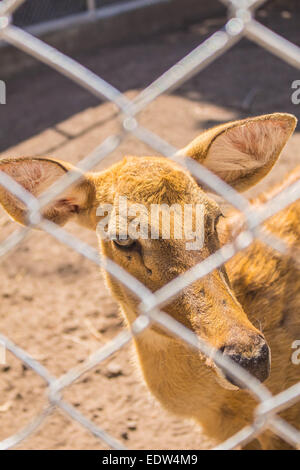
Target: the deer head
pixel 241 153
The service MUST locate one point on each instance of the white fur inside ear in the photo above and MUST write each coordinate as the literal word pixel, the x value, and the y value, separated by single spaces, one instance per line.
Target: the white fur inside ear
pixel 246 147
pixel 35 176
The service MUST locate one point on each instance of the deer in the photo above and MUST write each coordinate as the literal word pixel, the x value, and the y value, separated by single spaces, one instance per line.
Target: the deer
pixel 247 309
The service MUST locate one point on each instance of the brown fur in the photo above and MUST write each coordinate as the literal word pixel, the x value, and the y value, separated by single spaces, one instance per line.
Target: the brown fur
pixel 264 293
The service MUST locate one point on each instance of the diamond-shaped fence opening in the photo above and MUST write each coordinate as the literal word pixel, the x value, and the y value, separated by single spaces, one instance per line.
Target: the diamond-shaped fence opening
pixel 240 24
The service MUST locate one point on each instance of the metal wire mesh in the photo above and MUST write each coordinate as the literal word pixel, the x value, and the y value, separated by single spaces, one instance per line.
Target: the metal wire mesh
pixel 240 24
pixel 37 11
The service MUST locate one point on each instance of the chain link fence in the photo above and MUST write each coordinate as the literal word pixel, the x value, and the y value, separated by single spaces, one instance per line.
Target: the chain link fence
pixel 34 11
pixel 37 11
pixel 241 23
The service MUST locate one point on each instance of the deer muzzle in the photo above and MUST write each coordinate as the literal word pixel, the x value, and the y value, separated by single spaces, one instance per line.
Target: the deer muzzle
pixel 257 362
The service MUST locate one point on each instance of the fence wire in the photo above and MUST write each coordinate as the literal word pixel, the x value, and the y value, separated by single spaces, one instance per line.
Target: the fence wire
pixel 241 23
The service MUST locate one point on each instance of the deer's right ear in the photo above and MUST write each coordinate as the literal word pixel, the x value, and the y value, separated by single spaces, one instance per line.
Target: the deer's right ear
pixel 36 175
pixel 242 152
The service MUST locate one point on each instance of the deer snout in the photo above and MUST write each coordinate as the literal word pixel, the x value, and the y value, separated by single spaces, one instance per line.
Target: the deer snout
pixel 257 362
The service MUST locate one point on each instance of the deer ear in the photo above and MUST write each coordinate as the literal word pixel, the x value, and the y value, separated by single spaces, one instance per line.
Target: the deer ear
pixel 36 175
pixel 243 152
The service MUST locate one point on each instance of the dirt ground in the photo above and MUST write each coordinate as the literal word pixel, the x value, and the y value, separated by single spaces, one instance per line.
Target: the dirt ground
pixel 53 301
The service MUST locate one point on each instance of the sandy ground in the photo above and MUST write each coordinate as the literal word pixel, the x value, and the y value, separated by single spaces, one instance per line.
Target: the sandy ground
pixel 53 301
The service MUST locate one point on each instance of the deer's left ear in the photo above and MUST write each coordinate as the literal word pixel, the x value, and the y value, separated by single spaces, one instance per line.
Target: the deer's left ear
pixel 36 175
pixel 243 152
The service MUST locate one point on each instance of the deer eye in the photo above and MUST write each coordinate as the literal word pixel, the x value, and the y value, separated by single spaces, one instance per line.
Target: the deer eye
pixel 216 220
pixel 125 242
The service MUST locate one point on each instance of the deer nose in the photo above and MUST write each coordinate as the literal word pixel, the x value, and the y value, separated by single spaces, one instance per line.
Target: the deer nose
pixel 257 363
